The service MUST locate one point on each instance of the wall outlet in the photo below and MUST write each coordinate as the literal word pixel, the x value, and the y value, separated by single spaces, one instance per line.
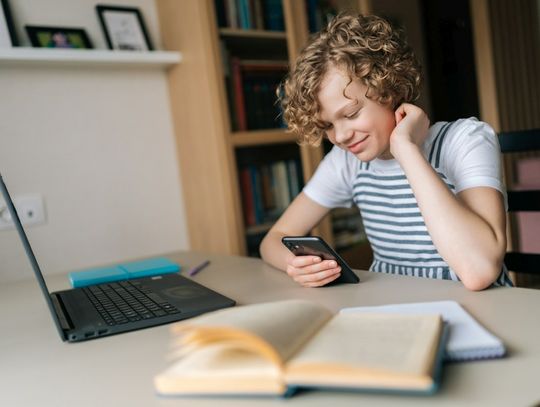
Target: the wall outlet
pixel 30 208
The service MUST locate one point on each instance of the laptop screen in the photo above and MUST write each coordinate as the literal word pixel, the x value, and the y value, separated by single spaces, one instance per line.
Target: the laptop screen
pixel 29 252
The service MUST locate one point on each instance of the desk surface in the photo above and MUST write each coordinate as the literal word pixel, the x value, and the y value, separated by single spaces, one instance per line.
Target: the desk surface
pixel 37 368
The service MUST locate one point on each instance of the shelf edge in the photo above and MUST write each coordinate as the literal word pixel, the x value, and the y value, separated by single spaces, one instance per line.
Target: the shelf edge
pixel 32 56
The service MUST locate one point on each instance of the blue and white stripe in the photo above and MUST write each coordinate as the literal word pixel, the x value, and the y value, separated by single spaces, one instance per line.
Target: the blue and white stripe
pixel 394 225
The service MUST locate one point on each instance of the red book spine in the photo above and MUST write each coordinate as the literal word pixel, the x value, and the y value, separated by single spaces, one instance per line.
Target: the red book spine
pixel 238 89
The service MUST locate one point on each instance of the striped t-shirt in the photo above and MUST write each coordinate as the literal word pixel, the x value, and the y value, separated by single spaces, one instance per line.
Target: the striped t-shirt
pixel 465 154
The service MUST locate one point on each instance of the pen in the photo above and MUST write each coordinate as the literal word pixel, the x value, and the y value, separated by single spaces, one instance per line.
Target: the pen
pixel 198 268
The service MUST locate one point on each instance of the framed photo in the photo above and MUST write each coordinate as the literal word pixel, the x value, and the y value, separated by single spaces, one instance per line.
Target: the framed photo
pixel 58 37
pixel 124 28
pixel 8 37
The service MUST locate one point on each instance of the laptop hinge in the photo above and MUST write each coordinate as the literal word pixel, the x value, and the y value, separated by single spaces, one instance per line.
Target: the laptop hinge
pixel 63 318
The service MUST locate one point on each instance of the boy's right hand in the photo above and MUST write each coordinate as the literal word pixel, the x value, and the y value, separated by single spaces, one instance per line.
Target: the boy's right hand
pixel 312 271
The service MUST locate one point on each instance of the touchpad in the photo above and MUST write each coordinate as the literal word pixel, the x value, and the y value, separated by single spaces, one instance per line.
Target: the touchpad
pixel 185 292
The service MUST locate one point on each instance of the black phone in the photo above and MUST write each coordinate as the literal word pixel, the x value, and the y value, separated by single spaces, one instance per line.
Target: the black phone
pixel 316 246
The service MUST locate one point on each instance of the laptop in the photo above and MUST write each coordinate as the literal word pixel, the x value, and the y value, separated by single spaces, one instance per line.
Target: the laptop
pixel 107 309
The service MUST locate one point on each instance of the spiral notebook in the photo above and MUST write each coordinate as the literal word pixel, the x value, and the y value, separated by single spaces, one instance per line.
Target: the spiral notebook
pixel 467 340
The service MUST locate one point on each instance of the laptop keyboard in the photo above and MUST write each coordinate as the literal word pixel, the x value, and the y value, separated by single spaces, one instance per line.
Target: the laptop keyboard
pixel 125 301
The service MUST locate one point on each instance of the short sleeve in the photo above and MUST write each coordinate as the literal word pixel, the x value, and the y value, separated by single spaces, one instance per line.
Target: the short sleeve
pixel 471 156
pixel 332 182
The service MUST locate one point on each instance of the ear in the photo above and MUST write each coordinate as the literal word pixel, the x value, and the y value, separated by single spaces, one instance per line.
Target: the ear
pixel 399 114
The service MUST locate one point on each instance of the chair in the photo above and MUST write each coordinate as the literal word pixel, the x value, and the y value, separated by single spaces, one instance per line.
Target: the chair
pixel 522 200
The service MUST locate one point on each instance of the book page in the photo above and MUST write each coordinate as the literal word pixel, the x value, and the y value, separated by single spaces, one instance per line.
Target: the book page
pixel 377 343
pixel 284 325
pixel 220 369
pixel 467 338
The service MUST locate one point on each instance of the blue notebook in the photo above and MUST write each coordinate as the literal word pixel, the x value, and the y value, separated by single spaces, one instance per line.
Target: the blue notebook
pixel 124 271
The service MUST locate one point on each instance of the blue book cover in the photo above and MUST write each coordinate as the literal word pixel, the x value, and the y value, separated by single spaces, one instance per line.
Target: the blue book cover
pixel 125 271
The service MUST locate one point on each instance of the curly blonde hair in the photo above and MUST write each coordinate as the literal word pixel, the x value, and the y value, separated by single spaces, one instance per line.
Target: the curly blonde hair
pixel 369 49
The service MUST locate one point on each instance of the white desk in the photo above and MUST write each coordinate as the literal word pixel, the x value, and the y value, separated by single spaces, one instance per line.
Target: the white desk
pixel 37 368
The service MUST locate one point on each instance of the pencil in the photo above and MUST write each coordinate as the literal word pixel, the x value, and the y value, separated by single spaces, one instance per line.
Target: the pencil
pixel 198 268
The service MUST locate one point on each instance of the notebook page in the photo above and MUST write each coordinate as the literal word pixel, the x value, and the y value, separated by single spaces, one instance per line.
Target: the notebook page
pixel 467 338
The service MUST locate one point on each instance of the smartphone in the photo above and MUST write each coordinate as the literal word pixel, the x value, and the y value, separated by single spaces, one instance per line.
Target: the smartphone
pixel 316 246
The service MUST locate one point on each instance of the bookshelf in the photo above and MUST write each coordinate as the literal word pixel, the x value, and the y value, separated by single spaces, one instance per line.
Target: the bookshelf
pixel 224 142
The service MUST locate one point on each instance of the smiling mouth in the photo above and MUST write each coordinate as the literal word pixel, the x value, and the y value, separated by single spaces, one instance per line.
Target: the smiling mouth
pixel 357 147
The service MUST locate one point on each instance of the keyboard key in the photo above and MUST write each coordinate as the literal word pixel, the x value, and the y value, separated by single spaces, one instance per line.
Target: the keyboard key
pixel 156 298
pixel 119 303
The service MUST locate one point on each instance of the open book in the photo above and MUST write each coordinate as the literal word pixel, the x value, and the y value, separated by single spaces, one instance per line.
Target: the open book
pixel 467 339
pixel 275 348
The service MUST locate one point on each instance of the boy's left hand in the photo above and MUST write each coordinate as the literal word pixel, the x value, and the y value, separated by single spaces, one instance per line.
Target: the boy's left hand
pixel 412 126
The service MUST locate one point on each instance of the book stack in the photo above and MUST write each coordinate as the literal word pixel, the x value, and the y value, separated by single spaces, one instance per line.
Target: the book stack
pixel 250 14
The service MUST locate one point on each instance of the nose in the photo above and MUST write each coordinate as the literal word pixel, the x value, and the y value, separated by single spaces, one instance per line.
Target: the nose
pixel 343 133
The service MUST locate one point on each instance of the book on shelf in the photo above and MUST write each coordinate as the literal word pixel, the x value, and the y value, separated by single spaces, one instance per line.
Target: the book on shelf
pixel 268 189
pixel 319 13
pixel 244 13
pixel 257 194
pixel 254 84
pixel 223 20
pixel 247 197
pixel 268 198
pixel 273 15
pixel 250 14
pixel 283 195
pixel 294 178
pixel 238 95
pixel 276 348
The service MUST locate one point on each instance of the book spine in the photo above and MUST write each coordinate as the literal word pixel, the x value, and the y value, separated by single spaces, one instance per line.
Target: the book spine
pixel 247 197
pixel 232 13
pixel 311 9
pixel 221 13
pixel 282 185
pixel 250 103
pixel 258 16
pixel 267 193
pixel 257 194
pixel 273 10
pixel 294 186
pixel 244 13
pixel 238 89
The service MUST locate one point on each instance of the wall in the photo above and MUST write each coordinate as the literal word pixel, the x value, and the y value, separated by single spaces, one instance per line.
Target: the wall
pixel 97 143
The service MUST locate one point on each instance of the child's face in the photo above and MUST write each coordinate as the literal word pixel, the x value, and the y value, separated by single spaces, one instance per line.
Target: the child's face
pixel 355 123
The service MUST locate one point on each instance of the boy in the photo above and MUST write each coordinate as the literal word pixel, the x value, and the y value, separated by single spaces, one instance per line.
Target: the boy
pixel 431 198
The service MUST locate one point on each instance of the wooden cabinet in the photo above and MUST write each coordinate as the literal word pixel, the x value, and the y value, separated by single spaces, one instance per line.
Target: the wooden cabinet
pixel 214 149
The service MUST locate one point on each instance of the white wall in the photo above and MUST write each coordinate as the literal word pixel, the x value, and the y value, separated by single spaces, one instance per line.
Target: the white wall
pixel 97 143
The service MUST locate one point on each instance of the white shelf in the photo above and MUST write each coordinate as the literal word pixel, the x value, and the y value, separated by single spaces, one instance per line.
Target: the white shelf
pixel 78 57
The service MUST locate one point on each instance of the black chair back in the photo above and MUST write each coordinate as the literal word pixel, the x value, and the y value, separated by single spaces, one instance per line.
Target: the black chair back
pixel 522 200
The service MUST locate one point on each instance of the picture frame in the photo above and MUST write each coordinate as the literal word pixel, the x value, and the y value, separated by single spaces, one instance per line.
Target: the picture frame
pixel 8 35
pixel 58 37
pixel 124 28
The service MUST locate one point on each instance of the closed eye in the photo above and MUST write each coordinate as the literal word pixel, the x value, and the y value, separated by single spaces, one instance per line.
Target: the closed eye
pixel 324 126
pixel 352 115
